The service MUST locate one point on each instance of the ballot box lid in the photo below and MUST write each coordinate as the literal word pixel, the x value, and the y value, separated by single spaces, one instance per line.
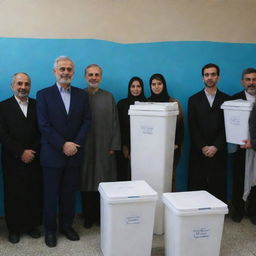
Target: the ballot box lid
pixel 127 191
pixel 194 203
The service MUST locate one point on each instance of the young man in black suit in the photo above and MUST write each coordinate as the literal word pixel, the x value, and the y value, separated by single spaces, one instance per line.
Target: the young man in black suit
pixel 207 167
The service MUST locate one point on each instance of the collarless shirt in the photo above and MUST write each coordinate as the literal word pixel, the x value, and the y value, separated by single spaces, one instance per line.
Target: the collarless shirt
pixel 249 97
pixel 210 97
pixel 65 95
pixel 23 105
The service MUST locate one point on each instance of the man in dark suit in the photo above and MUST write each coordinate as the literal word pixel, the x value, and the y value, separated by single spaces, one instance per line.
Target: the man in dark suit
pixel 64 120
pixel 238 158
pixel 20 138
pixel 207 167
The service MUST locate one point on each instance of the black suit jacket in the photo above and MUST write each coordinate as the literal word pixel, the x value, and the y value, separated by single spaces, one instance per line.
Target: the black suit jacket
pixel 239 95
pixel 206 123
pixel 18 132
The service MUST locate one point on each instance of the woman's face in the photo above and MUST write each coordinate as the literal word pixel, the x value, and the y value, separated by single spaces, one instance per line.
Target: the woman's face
pixel 157 86
pixel 135 88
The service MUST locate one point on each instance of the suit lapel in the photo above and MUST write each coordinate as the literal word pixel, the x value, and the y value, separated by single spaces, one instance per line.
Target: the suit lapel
pixel 243 96
pixel 58 99
pixel 17 108
pixel 217 100
pixel 204 99
pixel 72 101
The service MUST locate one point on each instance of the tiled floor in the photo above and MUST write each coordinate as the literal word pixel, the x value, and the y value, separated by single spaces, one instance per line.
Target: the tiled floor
pixel 239 239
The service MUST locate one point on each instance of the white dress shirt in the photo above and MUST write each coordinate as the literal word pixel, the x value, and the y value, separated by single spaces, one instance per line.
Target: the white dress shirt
pixel 23 105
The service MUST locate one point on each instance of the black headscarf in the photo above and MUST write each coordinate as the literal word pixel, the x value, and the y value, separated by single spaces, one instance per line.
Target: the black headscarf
pixel 163 96
pixel 140 97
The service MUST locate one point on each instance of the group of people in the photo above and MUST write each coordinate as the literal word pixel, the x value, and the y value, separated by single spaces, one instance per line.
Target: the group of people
pixel 62 142
pixel 71 139
pixel 208 150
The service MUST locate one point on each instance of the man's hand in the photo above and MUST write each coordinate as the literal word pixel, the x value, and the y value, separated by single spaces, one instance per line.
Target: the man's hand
pixel 209 151
pixel 126 152
pixel 247 144
pixel 27 156
pixel 70 148
pixel 111 152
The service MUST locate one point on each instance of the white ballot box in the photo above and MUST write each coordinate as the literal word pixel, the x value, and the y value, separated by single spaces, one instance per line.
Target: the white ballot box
pixel 193 223
pixel 236 114
pixel 153 128
pixel 127 218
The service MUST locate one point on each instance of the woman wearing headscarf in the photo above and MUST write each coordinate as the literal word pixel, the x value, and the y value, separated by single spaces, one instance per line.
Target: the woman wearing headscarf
pixel 135 93
pixel 159 93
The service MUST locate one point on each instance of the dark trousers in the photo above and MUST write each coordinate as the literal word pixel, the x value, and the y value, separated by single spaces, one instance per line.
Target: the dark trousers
pixel 60 186
pixel 91 206
pixel 238 204
pixel 123 167
pixel 208 174
pixel 23 195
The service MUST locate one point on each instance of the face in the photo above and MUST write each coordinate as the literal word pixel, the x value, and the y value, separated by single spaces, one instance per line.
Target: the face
pixel 64 72
pixel 135 88
pixel 157 86
pixel 93 77
pixel 210 77
pixel 249 83
pixel 21 86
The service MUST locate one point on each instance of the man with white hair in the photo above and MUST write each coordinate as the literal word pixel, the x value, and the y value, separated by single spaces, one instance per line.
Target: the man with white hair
pixel 104 138
pixel 20 139
pixel 64 120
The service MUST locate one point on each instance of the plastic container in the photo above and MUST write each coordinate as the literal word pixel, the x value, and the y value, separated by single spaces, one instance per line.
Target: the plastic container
pixel 153 128
pixel 193 223
pixel 236 114
pixel 127 218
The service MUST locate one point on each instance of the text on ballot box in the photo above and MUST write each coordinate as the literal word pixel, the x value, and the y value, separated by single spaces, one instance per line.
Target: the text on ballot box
pixel 153 128
pixel 193 223
pixel 127 218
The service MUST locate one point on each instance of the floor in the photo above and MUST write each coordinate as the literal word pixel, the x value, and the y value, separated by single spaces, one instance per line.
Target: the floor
pixel 239 239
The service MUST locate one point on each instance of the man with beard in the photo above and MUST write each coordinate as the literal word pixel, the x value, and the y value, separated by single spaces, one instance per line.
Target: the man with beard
pixel 238 158
pixel 64 120
pixel 20 138
pixel 104 138
pixel 207 166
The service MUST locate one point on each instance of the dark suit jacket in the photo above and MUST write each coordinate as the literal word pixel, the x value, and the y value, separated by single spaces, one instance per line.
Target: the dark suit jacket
pixel 17 132
pixel 207 123
pixel 57 126
pixel 239 95
pixel 252 127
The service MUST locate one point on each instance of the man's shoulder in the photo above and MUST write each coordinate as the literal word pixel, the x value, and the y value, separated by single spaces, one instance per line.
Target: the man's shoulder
pixel 239 95
pixel 46 89
pixel 7 101
pixel 104 92
pixel 196 95
pixel 31 101
pixel 224 95
pixel 7 104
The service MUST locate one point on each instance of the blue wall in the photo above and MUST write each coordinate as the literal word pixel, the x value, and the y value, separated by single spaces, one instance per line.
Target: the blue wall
pixel 179 62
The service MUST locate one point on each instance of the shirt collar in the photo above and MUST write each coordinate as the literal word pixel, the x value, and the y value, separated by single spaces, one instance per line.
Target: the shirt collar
pixel 20 101
pixel 210 94
pixel 249 97
pixel 61 89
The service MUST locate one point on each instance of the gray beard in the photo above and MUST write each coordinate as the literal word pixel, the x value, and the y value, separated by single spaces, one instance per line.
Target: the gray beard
pixel 20 94
pixel 94 86
pixel 64 81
